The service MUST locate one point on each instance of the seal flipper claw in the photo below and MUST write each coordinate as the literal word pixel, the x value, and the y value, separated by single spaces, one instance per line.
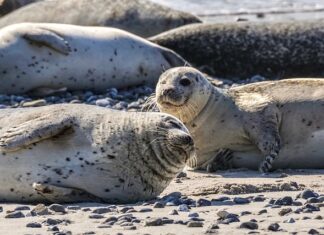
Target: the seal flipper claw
pixel 222 161
pixel 48 38
pixel 54 193
pixel 33 131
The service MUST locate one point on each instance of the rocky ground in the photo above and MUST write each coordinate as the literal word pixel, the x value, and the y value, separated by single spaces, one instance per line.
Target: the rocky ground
pixel 232 202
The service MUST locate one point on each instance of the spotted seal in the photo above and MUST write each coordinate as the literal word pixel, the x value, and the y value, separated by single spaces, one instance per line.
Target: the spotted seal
pixel 77 152
pixel 141 17
pixel 243 49
pixel 270 125
pixel 35 56
pixel 7 6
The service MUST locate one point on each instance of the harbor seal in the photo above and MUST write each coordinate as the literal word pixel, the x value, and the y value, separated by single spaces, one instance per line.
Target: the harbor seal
pixel 141 17
pixel 270 125
pixel 77 152
pixel 7 6
pixel 35 56
pixel 244 49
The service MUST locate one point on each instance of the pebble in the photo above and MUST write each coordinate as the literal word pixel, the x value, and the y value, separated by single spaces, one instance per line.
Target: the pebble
pixel 318 217
pixel 183 208
pixel 203 202
pixel 158 205
pixel 307 193
pixel 34 103
pixel 193 214
pixel 285 201
pixel 249 225
pixel 126 209
pixel 75 208
pixel 181 175
pixel 313 231
pixel 101 210
pixel 153 222
pixel 274 227
pixel 173 212
pixel 40 209
pixel 285 211
pixel 33 225
pixel 290 221
pixel 96 216
pixel 195 224
pixel 103 226
pixel 259 199
pixel 143 210
pixel 22 208
pixel 57 208
pixel 15 215
pixel 241 200
pixel 111 218
pixel 167 221
pixel 131 227
pixel 245 213
pixel 264 211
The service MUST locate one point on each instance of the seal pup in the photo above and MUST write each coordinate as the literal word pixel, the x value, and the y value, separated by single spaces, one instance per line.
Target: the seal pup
pixel 71 152
pixel 265 125
pixel 141 17
pixel 244 49
pixel 35 56
pixel 7 6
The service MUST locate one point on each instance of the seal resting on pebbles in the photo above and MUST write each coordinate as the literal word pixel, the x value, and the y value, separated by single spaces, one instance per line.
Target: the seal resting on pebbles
pixel 141 17
pixel 74 152
pixel 265 125
pixel 37 56
pixel 243 49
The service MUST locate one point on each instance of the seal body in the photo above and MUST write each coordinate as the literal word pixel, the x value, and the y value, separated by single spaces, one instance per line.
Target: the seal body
pixel 141 17
pixel 68 153
pixel 56 55
pixel 243 49
pixel 274 124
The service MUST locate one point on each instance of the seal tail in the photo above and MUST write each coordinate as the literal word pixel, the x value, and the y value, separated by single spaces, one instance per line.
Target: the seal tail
pixel 173 58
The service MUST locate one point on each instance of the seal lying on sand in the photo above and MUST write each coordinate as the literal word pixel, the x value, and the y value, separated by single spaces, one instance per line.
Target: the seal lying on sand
pixel 67 153
pixel 240 50
pixel 35 56
pixel 277 124
pixel 141 17
pixel 7 6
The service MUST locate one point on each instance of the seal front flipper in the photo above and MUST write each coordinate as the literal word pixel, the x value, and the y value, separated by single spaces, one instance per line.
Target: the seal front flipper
pixel 48 38
pixel 221 161
pixel 33 131
pixel 262 127
pixel 54 193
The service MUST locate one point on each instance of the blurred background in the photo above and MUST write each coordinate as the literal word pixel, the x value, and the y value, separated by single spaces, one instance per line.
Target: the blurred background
pixel 253 10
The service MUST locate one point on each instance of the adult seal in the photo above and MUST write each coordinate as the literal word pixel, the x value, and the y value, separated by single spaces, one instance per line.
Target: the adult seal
pixel 69 153
pixel 36 56
pixel 141 17
pixel 244 49
pixel 265 125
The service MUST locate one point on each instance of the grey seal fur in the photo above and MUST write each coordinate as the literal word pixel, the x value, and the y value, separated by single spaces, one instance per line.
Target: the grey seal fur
pixel 141 17
pixel 76 152
pixel 265 125
pixel 244 49
pixel 7 6
pixel 36 56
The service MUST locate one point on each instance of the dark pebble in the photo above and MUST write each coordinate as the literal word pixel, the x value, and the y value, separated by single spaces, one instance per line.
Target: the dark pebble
pixel 126 209
pixel 158 205
pixel 193 214
pixel 245 213
pixel 96 216
pixel 220 199
pixel 153 222
pixel 307 193
pixel 249 225
pixel 173 212
pixel 318 217
pixel 132 227
pixel 241 200
pixel 285 201
pixel 15 215
pixel 274 227
pixel 264 211
pixel 203 202
pixel 195 224
pixel 167 221
pixel 312 200
pixel 111 218
pixel 143 210
pixel 74 208
pixel 101 210
pixel 259 199
pixel 181 175
pixel 22 208
pixel 313 231
pixel 33 225
pixel 57 208
pixel 285 211
pixel 53 228
pixel 51 221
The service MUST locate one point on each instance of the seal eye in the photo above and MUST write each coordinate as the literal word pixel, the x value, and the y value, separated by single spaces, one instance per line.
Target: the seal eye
pixel 174 124
pixel 185 82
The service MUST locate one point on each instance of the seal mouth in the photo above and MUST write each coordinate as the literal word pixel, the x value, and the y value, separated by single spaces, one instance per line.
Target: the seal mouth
pixel 166 101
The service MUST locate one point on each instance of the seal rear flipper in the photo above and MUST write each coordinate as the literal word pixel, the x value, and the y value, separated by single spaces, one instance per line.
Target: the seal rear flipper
pixel 45 37
pixel 57 194
pixel 33 131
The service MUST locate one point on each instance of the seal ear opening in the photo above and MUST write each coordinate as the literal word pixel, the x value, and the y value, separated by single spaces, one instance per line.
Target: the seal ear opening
pixel 173 58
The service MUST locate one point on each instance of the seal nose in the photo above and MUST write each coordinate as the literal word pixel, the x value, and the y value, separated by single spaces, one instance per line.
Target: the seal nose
pixel 168 91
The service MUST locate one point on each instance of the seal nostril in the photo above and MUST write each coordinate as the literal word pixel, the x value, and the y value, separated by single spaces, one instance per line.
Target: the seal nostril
pixel 185 82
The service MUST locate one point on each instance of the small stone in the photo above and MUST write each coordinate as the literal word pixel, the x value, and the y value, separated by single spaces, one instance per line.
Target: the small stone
pixel 1 208
pixel 53 228
pixel 318 217
pixel 33 225
pixel 183 208
pixel 274 227
pixel 74 208
pixel 167 221
pixel 306 218
pixel 143 210
pixel 259 199
pixel 15 215
pixel 221 199
pixel 86 209
pixel 131 227
pixel 111 218
pixel 126 209
pixel 51 221
pixel 245 213
pixel 297 203
pixel 203 202
pixel 88 233
pixel 285 211
pixel 241 200
pixel 34 103
pixel 173 212
pixel 307 193
pixel 158 205
pixel 290 221
pixel 313 231
pixel 104 226
pixel 321 199
pixel 40 209
pixel 153 222
pixel 264 211
pixel 195 224
pixel 22 208
pixel 193 214
pixel 285 201
pixel 171 196
pixel 181 175
pixel 57 208
pixel 249 225
pixel 96 216
pixel 101 210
